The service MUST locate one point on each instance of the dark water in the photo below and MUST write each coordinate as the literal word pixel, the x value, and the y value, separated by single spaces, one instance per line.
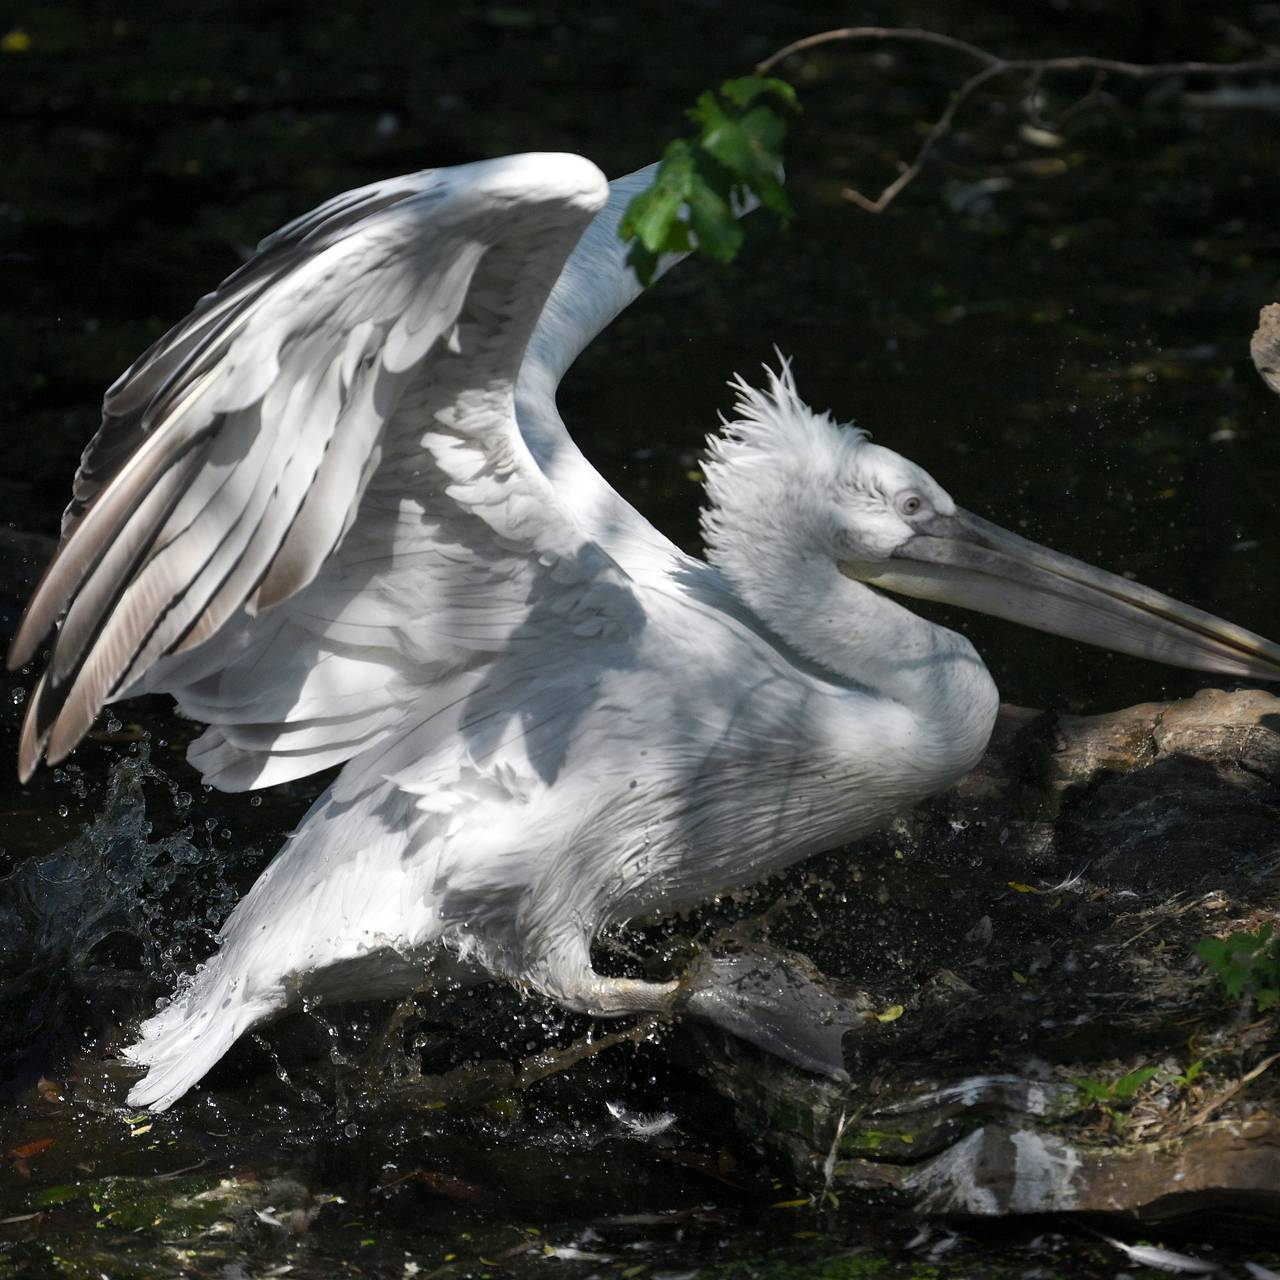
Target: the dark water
pixel 1059 333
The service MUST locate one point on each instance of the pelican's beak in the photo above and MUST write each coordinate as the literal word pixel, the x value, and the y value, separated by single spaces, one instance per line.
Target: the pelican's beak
pixel 967 561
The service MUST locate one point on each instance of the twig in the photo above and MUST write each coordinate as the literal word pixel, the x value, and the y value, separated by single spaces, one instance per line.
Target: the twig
pixel 1092 94
pixel 1031 93
pixel 829 1164
pixel 993 67
pixel 940 129
pixel 1225 1096
pixel 178 1173
pixel 875 33
pixel 1081 62
pixel 548 1064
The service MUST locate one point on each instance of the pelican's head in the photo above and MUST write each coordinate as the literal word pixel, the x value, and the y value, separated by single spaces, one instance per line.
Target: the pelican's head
pixel 826 492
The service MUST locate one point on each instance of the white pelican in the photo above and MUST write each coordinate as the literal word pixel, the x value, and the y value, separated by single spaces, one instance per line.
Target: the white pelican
pixel 335 513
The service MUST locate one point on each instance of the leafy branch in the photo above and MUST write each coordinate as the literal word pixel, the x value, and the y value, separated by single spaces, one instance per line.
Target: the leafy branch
pixel 704 183
pixel 1246 963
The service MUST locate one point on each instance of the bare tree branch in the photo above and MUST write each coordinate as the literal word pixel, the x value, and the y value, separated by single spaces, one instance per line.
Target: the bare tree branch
pixel 993 67
pixel 940 129
pixel 876 33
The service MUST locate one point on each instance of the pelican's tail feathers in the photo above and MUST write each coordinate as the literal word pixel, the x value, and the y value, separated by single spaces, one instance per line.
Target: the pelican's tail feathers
pixel 180 1044
pixel 342 913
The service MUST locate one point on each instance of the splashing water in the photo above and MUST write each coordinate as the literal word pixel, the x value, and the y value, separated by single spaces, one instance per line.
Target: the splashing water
pixel 113 879
pixel 90 926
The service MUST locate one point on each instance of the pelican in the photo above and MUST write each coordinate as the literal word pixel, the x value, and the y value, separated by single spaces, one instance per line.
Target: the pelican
pixel 335 513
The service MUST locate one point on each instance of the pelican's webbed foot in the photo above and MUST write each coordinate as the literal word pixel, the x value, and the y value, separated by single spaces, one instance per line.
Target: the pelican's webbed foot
pixel 776 1000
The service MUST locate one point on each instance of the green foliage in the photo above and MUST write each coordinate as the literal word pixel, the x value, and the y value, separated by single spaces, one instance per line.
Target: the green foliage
pixel 1122 1090
pixel 1246 962
pixel 1106 1095
pixel 737 153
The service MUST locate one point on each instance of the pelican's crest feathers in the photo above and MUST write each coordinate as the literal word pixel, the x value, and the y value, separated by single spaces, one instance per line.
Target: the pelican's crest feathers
pixel 774 447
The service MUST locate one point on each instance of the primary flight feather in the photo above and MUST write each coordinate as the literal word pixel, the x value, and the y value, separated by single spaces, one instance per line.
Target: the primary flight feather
pixel 336 515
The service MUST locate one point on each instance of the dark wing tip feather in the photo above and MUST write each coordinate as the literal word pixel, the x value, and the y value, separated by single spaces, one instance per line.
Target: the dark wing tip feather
pixel 17 656
pixel 36 622
pixel 35 732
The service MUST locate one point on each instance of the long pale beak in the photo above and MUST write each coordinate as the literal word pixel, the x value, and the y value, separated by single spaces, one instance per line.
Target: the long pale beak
pixel 967 561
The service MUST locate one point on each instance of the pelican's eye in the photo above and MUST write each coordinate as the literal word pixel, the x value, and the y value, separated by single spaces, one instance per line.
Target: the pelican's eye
pixel 910 504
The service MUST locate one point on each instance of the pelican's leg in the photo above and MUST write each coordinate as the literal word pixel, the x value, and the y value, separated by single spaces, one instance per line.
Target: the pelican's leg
pixel 564 974
pixel 613 997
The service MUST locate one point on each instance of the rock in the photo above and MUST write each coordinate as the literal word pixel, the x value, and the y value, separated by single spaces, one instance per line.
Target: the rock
pixel 1157 793
pixel 1265 346
pixel 1038 925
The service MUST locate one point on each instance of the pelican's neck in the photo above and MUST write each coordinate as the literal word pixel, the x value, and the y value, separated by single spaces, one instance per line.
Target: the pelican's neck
pixel 870 640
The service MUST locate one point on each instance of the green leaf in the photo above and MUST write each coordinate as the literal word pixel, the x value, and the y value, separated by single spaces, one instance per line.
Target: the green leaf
pixel 1128 1086
pixel 746 89
pixel 699 182
pixel 57 1195
pixel 718 231
pixel 749 146
pixel 652 219
pixel 653 216
pixel 643 263
pixel 1093 1090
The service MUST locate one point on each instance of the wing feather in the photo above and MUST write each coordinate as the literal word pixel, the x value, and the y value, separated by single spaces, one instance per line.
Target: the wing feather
pixel 370 347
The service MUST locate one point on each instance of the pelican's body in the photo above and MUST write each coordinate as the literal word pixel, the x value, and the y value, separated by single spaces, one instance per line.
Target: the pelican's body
pixel 336 514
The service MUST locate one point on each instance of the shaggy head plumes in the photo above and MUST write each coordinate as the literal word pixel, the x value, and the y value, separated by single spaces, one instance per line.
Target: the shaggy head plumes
pixel 786 485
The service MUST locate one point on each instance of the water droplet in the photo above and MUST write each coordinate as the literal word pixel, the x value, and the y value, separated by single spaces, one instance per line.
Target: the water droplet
pixel 19 697
pixel 113 725
pixel 255 801
pixel 63 811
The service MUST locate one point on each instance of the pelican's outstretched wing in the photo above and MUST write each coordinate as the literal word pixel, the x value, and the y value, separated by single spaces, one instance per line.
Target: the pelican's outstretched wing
pixel 595 286
pixel 311 498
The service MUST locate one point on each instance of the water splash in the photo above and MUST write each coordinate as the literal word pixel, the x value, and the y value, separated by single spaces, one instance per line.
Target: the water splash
pixel 113 879
pixel 90 927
